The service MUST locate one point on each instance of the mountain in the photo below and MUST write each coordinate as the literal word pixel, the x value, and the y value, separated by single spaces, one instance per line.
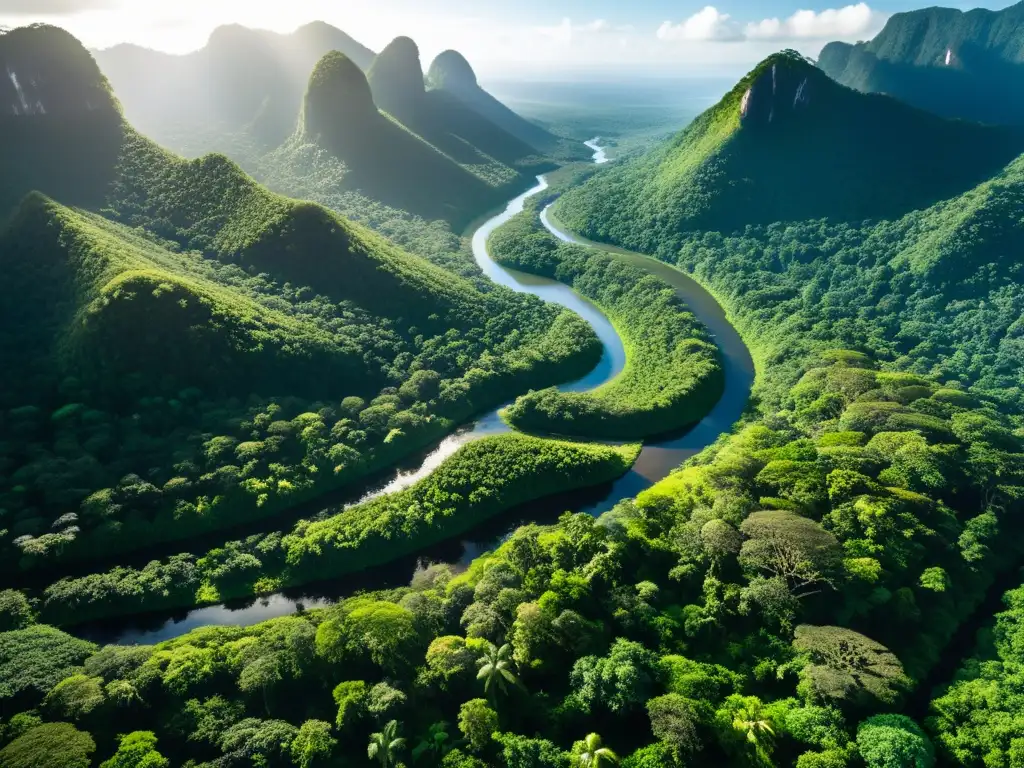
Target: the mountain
pixel 953 63
pixel 397 82
pixel 242 80
pixel 451 73
pixel 154 310
pixel 788 144
pixel 388 161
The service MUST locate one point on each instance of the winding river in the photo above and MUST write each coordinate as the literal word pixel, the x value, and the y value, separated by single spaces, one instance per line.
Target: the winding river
pixel 657 459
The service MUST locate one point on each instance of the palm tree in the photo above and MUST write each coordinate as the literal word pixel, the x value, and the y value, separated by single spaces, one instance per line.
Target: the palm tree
pixel 750 721
pixel 437 743
pixel 496 669
pixel 384 746
pixel 594 755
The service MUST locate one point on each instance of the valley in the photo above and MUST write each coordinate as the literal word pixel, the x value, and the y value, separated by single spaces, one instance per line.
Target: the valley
pixel 360 409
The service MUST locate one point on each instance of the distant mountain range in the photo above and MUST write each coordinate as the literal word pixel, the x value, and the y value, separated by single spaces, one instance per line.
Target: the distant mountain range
pixel 448 152
pixel 954 63
pixel 128 280
pixel 789 144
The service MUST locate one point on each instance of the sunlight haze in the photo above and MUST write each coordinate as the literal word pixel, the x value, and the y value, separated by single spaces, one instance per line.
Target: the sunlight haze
pixel 564 38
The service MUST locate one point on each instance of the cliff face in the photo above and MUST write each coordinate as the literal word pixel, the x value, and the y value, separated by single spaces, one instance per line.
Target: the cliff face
pixel 776 93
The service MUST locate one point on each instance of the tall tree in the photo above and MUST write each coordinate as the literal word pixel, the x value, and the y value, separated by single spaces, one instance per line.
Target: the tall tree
pixel 496 667
pixel 595 754
pixel 385 745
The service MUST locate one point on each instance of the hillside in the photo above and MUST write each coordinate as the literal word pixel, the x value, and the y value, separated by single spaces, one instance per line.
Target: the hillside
pixel 384 159
pixel 788 144
pixel 953 63
pixel 155 310
pixel 450 73
pixel 243 81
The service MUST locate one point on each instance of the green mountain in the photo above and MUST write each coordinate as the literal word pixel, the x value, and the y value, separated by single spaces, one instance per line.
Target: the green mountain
pixel 242 81
pixel 450 73
pixel 788 144
pixel 153 307
pixel 386 160
pixel 950 62
pixel 397 82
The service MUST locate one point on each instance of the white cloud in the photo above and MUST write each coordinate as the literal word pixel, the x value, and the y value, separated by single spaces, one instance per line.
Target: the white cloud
pixel 849 22
pixel 706 25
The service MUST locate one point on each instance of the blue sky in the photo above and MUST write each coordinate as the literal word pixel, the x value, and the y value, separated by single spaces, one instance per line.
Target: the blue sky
pixel 508 38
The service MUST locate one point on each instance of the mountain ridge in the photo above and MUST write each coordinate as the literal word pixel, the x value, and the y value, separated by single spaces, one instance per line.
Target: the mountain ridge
pixel 767 152
pixel 966 64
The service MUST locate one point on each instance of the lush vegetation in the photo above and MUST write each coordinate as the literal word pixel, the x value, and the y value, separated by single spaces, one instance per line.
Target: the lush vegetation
pixel 976 721
pixel 936 291
pixel 483 479
pixel 189 351
pixel 672 375
pixel 769 604
pixel 767 153
pixel 950 62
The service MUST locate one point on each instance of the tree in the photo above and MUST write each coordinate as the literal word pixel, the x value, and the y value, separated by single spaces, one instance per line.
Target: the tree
pixel 385 745
pixel 674 722
pixel 35 659
pixel 496 669
pixel 745 729
pixel 840 666
pixel 620 681
pixel 313 744
pixel 137 750
pixel 261 674
pixel 15 610
pixel 522 752
pixel 791 547
pixel 436 743
pixel 373 631
pixel 350 696
pixel 477 721
pixel 50 745
pixel 894 741
pixel 75 697
pixel 593 754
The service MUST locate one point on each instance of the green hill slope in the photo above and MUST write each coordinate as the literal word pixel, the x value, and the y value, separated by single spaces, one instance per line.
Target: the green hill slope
pixel 384 159
pixel 157 313
pixel 954 63
pixel 788 144
pixel 246 82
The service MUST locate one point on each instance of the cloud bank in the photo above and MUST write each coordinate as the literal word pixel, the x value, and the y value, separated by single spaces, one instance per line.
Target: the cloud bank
pixel 711 25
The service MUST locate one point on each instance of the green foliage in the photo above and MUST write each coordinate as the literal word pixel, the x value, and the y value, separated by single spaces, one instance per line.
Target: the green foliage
pixel 522 752
pixel 138 750
pixel 977 719
pixel 34 660
pixel 672 375
pixel 842 667
pixel 50 745
pixel 482 479
pixel 765 153
pixel 619 682
pixel 477 722
pixel 894 741
pixel 313 744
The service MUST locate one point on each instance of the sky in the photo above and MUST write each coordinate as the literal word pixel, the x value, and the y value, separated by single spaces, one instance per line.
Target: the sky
pixel 506 39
